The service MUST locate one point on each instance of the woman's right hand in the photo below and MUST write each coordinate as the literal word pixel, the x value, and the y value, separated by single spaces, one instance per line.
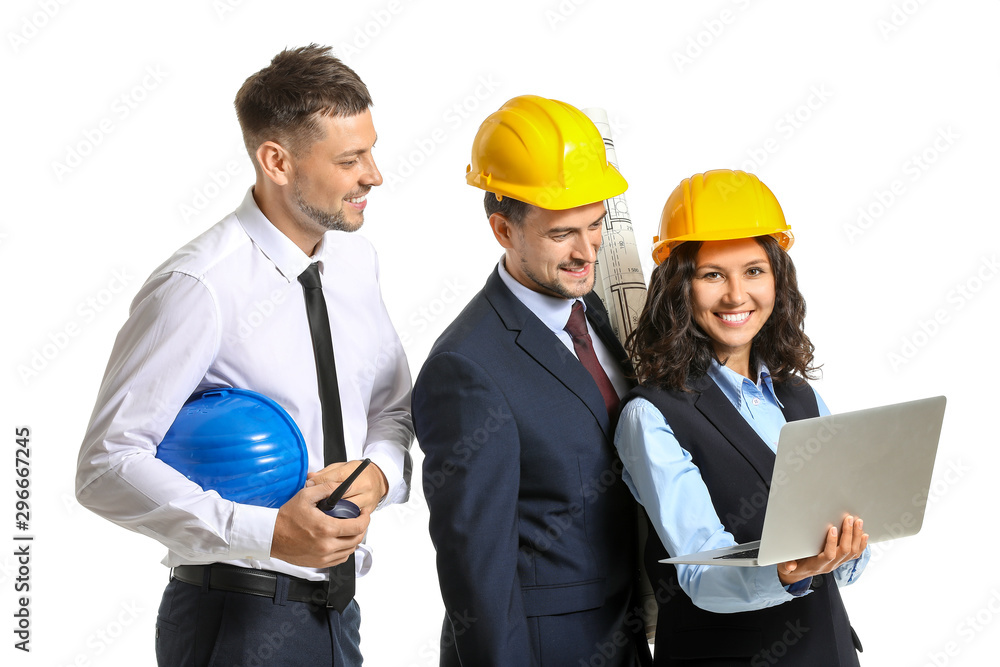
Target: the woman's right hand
pixel 850 546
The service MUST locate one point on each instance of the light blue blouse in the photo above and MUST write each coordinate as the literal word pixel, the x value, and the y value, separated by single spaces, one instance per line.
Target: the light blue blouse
pixel 662 476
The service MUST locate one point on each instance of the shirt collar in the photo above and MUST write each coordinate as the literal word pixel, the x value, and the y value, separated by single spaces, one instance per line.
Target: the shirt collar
pixel 553 311
pixel 731 382
pixel 287 257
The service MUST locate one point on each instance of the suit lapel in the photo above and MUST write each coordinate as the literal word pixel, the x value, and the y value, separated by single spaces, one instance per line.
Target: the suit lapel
pixel 726 418
pixel 539 343
pixel 597 314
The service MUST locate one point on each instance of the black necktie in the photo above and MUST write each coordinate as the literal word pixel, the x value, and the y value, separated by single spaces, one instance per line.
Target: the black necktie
pixel 340 586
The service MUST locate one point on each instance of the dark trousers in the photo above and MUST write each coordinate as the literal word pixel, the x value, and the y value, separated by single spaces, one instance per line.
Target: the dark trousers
pixel 199 627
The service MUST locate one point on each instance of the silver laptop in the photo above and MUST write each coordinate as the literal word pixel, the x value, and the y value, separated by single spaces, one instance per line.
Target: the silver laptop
pixel 875 464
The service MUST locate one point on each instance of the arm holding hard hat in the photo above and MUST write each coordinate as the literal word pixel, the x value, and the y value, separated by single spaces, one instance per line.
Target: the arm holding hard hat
pixel 158 360
pixel 180 337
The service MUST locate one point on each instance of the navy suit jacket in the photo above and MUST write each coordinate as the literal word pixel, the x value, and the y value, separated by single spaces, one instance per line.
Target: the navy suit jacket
pixel 533 527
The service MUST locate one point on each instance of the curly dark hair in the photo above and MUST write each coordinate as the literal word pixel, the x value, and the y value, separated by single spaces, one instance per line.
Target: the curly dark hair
pixel 668 347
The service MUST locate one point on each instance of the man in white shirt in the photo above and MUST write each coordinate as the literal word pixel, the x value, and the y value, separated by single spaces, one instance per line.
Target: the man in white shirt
pixel 198 322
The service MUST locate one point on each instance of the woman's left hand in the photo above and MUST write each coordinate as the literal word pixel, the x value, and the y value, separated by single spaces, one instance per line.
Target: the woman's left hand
pixel 851 545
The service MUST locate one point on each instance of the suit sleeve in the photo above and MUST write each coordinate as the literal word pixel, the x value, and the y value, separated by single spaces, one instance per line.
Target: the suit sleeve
pixel 471 475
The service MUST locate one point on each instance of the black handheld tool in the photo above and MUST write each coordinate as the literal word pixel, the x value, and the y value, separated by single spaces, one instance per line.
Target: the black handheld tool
pixel 334 505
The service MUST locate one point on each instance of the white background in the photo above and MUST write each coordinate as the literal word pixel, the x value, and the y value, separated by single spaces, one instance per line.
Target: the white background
pixel 830 103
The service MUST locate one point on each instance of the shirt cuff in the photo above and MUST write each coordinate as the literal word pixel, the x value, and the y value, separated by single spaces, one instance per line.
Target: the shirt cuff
pixel 770 589
pixel 362 560
pixel 253 528
pixel 799 588
pixel 386 456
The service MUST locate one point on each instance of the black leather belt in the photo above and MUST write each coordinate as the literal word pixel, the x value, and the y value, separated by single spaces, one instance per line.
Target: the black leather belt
pixel 252 582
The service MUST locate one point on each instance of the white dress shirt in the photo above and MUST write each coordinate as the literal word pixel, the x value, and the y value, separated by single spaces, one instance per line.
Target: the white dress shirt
pixel 554 313
pixel 227 310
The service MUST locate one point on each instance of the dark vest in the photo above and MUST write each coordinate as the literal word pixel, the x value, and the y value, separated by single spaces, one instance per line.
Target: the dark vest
pixel 811 631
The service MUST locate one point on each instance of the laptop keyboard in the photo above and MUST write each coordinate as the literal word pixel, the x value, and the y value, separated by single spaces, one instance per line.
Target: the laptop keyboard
pixel 749 553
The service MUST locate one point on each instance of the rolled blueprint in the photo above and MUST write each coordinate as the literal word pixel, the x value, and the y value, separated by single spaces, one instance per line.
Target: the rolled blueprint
pixel 619 280
pixel 620 283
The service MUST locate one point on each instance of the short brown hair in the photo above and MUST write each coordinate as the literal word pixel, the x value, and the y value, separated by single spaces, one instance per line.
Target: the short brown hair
pixel 281 102
pixel 514 210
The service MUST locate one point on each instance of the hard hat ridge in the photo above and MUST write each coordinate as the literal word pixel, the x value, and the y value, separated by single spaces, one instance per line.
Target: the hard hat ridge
pixel 239 443
pixel 543 152
pixel 718 205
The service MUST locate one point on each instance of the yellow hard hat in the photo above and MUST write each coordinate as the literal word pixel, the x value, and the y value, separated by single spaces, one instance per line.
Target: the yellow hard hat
pixel 543 152
pixel 718 205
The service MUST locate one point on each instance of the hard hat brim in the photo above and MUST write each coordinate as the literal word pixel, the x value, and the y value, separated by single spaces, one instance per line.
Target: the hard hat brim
pixel 662 249
pixel 555 197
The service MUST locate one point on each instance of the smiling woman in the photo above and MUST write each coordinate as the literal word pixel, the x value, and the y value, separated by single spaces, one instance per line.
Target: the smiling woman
pixel 732 296
pixel 722 359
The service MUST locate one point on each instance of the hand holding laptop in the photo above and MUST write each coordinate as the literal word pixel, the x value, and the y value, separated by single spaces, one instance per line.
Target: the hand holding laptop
pixel 850 545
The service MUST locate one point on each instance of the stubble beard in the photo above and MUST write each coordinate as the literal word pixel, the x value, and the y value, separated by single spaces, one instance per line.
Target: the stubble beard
pixel 329 221
pixel 557 287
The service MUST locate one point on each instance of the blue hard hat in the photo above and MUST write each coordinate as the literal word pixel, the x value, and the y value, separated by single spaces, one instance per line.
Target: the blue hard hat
pixel 239 443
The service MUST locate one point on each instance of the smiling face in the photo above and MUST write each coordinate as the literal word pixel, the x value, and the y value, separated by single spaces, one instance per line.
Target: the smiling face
pixel 332 179
pixel 553 252
pixel 732 296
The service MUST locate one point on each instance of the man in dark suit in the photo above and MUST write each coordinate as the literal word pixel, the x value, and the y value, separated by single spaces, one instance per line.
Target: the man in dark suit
pixel 515 411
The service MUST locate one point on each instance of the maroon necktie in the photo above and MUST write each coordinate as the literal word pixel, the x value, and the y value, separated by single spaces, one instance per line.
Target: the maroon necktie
pixel 584 346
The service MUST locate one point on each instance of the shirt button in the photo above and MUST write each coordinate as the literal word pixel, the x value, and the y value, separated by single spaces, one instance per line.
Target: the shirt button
pixel 756 401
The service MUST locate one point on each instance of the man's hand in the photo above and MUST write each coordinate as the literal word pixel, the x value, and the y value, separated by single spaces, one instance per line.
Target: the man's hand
pixel 835 553
pixel 305 536
pixel 366 491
